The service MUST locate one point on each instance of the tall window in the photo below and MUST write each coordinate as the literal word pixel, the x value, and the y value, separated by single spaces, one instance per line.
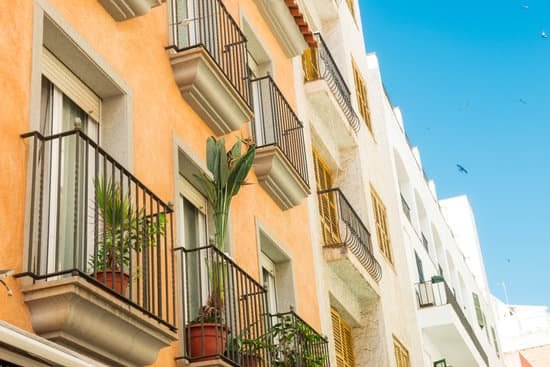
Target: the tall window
pixel 361 93
pixel 351 7
pixel 382 231
pixel 401 354
pixel 269 279
pixel 327 203
pixel 342 341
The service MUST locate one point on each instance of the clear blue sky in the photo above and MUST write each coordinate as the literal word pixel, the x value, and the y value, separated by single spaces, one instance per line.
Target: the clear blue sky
pixel 473 81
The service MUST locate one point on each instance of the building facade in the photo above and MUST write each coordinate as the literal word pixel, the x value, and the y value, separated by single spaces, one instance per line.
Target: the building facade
pixel 107 232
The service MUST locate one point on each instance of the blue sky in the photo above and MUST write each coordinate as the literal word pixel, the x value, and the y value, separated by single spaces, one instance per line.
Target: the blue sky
pixel 473 81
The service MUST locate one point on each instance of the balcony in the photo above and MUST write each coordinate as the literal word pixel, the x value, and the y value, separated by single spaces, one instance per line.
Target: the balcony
pixel 444 322
pixel 209 60
pixel 281 161
pixel 99 269
pixel 297 343
pixel 348 246
pixel 328 92
pixel 126 9
pixel 226 320
pixel 224 310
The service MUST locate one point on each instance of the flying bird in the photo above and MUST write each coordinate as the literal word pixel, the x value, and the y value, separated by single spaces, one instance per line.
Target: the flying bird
pixel 525 6
pixel 461 169
pixel 522 101
pixel 544 35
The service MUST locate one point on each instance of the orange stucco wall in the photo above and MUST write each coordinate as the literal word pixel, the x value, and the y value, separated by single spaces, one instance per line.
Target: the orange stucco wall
pixel 135 50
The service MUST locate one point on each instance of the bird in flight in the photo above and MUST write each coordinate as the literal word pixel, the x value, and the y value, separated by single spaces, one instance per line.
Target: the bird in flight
pixel 461 169
pixel 544 35
pixel 525 6
pixel 521 100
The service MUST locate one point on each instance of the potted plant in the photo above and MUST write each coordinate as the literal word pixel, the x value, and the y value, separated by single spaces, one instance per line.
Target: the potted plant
pixel 247 350
pixel 294 344
pixel 124 229
pixel 208 333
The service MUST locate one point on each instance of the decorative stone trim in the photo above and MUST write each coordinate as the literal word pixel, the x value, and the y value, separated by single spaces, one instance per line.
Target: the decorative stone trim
pixel 277 176
pixel 284 25
pixel 125 9
pixel 79 315
pixel 204 86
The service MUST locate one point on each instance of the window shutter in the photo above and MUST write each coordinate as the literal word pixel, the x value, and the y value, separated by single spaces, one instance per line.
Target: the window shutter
pixel 343 344
pixel 441 363
pixel 57 73
pixel 495 341
pixel 479 312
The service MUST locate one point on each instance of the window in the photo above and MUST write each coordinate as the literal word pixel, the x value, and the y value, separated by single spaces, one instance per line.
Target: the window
pixel 495 341
pixel 401 354
pixel 309 64
pixel 381 225
pixel 342 341
pixel 361 93
pixel 351 7
pixel 327 203
pixel 269 280
pixel 440 363
pixel 419 267
pixel 66 103
pixel 479 311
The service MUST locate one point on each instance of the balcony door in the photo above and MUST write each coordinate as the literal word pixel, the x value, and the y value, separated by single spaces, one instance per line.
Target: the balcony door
pixel 66 103
pixel 192 210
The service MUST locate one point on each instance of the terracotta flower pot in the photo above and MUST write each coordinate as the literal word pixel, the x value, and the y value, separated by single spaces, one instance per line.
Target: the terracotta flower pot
pixel 206 341
pixel 120 283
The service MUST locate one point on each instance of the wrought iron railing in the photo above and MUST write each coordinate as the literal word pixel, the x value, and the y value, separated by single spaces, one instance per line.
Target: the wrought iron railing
pixel 208 24
pixel 224 310
pixel 296 344
pixel 275 123
pixel 318 63
pixel 406 207
pixel 431 294
pixel 343 227
pixel 90 217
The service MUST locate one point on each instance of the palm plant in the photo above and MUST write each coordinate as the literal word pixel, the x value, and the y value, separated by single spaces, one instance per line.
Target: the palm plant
pixel 124 228
pixel 229 170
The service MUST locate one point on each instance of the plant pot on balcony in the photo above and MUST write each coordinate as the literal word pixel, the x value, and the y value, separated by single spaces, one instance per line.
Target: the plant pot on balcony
pixel 206 341
pixel 120 283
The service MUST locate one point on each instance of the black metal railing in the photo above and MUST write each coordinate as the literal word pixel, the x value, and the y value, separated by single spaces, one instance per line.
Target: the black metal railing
pixel 208 24
pixel 432 294
pixel 90 217
pixel 318 63
pixel 295 343
pixel 224 310
pixel 406 207
pixel 275 123
pixel 343 227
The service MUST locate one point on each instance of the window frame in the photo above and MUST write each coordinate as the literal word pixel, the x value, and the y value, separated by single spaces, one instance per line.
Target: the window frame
pixel 361 94
pixel 381 223
pixel 342 337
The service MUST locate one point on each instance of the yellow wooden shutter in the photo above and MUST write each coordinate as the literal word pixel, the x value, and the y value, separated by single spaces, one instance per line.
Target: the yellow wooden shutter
pixel 342 341
pixel 327 201
pixel 401 354
pixel 382 232
pixel 361 93
pixel 309 64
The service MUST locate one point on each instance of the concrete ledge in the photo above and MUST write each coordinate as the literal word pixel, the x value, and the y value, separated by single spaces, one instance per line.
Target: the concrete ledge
pixel 125 9
pixel 325 105
pixel 279 178
pixel 204 86
pixel 76 314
